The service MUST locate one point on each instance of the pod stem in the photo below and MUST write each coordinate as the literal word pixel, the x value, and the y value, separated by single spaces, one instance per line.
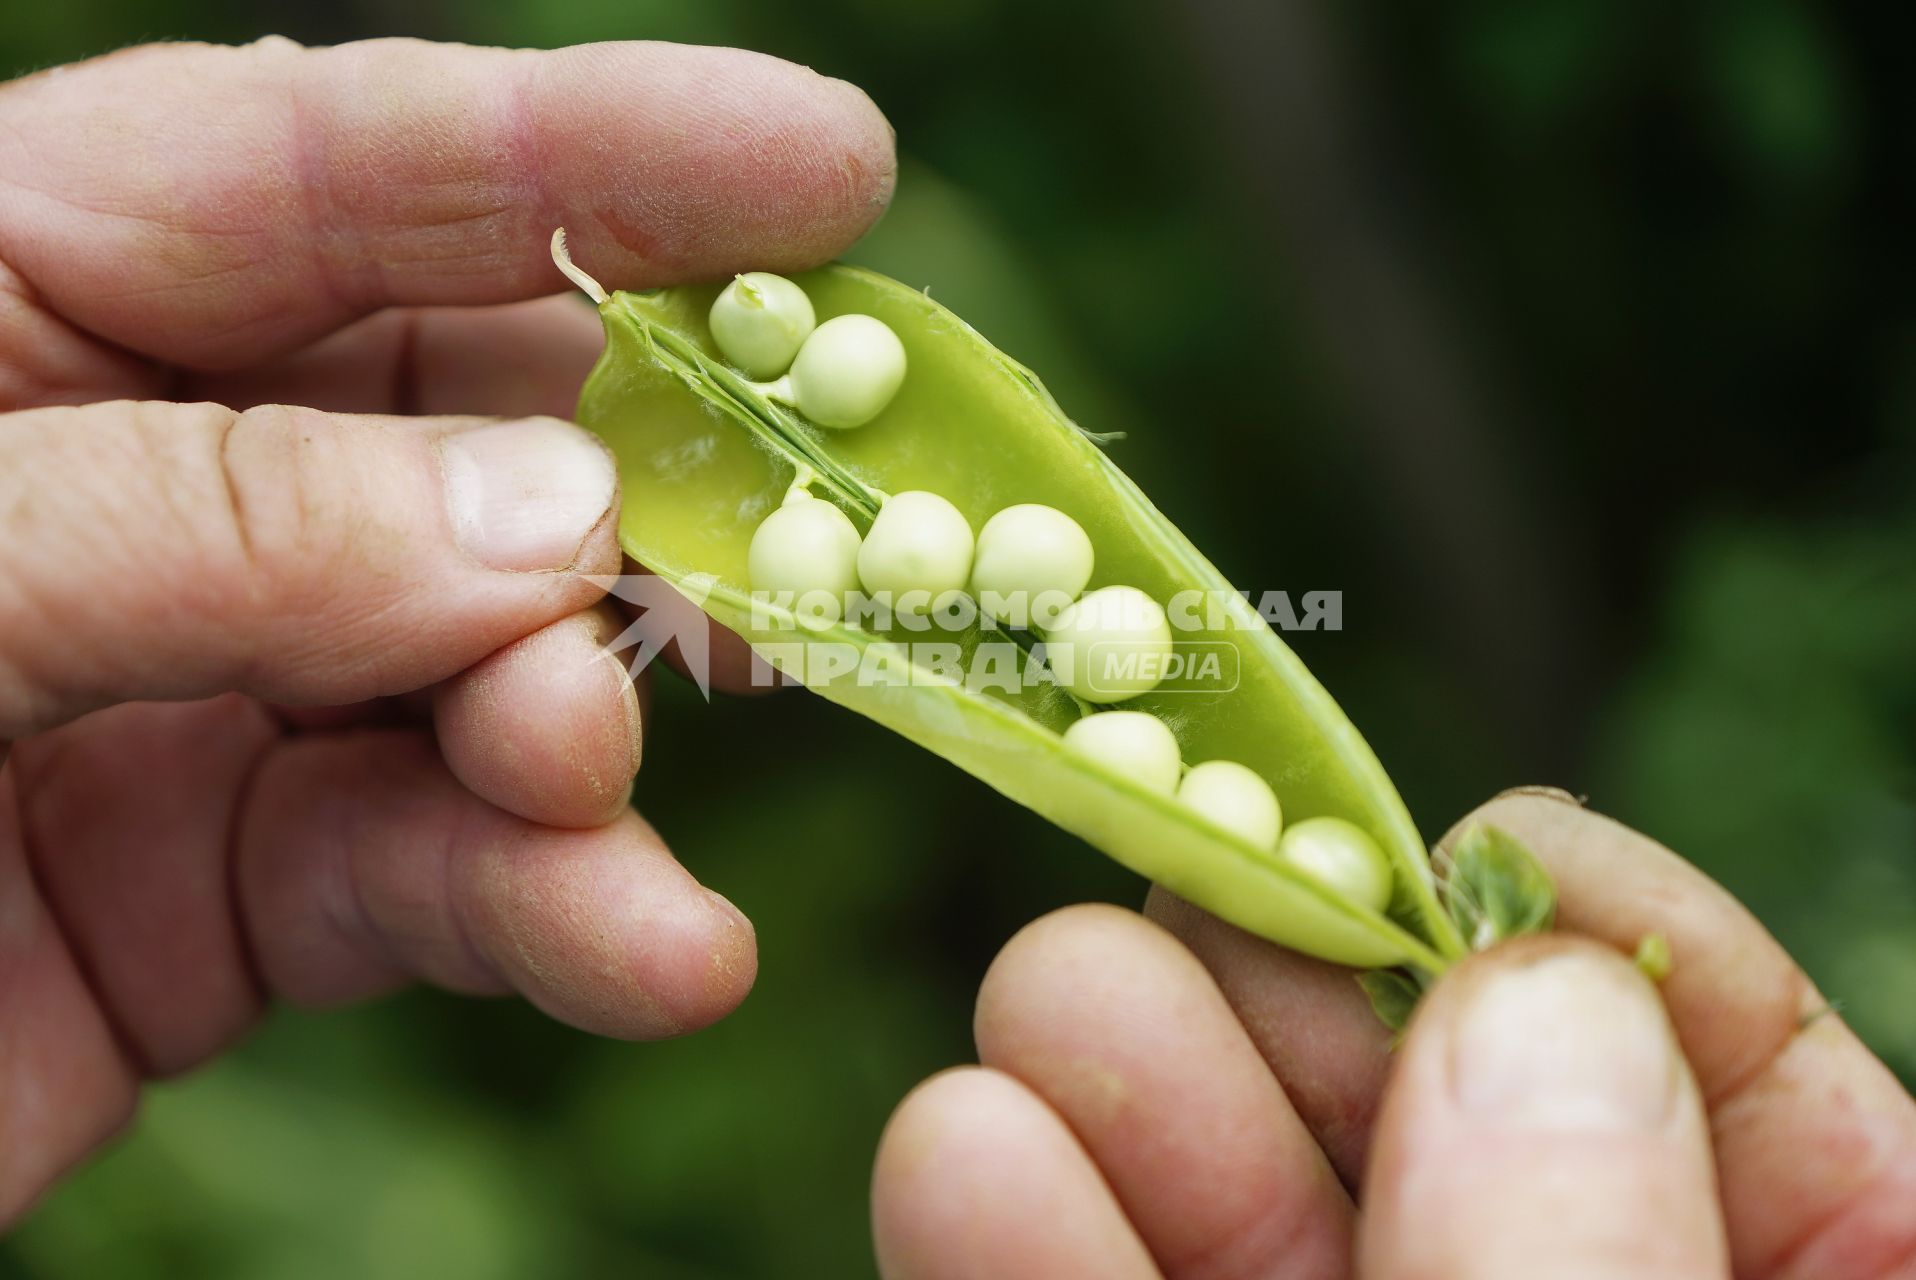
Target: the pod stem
pixel 562 259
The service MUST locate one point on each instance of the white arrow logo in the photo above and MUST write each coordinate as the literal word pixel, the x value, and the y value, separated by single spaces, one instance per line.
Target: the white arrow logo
pixel 668 614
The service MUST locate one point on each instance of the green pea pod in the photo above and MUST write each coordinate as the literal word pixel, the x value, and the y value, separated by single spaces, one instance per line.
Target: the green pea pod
pixel 704 458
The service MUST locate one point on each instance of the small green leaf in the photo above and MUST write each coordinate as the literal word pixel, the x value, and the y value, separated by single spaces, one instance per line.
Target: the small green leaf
pixel 1496 889
pixel 1393 995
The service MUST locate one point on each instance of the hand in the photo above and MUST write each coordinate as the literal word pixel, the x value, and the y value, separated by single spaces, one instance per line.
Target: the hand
pixel 1181 1099
pixel 304 704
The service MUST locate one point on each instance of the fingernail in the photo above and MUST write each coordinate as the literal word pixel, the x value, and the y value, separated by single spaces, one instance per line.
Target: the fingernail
pixel 1566 1042
pixel 523 496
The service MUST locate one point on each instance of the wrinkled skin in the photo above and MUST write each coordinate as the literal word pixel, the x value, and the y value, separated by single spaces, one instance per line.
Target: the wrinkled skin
pixel 303 702
pixel 1164 1095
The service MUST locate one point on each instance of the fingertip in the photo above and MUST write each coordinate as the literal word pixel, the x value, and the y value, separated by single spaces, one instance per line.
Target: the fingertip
pixel 939 1111
pixel 363 862
pixel 769 165
pixel 697 958
pixel 1067 932
pixel 606 931
pixel 730 943
pixel 976 1175
pixel 1554 1031
pixel 444 169
pixel 1116 1025
pixel 1541 791
pixel 915 1156
pixel 1519 809
pixel 1541 1108
pixel 1069 953
pixel 548 728
pixel 871 153
pixel 1560 957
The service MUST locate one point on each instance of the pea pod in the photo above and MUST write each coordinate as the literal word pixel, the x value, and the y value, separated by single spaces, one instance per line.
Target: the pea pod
pixel 705 457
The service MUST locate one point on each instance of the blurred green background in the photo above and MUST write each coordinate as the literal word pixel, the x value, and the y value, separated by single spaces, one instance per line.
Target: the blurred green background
pixel 1573 340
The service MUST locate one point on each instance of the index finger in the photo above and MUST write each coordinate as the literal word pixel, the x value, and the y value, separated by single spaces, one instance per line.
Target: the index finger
pixel 212 206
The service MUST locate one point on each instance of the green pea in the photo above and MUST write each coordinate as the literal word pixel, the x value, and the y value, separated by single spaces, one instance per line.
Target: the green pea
pixel 1028 554
pixel 1341 855
pixel 845 373
pixel 807 547
pixel 918 543
pixel 759 321
pixel 1111 645
pixel 1132 744
pixel 704 452
pixel 1235 798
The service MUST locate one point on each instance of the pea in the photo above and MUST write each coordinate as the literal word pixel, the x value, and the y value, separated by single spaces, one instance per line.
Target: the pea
pixel 1341 855
pixel 918 543
pixel 1132 744
pixel 1027 555
pixel 1234 798
pixel 759 321
pixel 705 451
pixel 807 547
pixel 845 373
pixel 1111 645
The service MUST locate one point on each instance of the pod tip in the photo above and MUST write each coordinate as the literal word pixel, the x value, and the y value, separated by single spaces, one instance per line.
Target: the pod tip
pixel 562 259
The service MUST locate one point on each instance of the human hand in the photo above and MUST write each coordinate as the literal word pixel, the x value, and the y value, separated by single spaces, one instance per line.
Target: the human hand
pixel 300 703
pixel 1181 1099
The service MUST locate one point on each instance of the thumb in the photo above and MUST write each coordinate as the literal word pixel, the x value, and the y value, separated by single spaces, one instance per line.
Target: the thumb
pixel 165 551
pixel 1541 1121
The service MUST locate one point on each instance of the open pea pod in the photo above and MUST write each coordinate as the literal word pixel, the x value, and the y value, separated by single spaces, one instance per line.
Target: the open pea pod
pixel 704 458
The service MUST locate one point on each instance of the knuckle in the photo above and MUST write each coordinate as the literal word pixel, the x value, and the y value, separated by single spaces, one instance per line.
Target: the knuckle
pixel 238 506
pixel 309 548
pixel 285 516
pixel 114 492
pixel 226 507
pixel 191 542
pixel 258 462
